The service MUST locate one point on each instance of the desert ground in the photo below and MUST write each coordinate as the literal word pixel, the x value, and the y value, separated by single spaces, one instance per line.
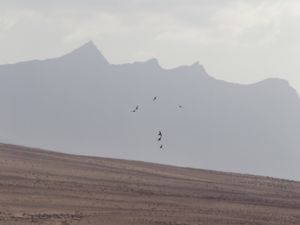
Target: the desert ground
pixel 43 187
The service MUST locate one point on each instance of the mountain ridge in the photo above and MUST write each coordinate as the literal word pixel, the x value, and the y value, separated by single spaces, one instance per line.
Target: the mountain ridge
pixel 91 48
pixel 74 102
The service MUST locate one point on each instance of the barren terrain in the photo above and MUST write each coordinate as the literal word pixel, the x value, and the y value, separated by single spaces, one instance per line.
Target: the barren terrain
pixel 42 187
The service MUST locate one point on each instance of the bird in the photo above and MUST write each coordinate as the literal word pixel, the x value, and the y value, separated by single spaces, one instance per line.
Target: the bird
pixel 160 134
pixel 159 139
pixel 136 108
pixel 180 106
pixel 154 98
pixel 161 147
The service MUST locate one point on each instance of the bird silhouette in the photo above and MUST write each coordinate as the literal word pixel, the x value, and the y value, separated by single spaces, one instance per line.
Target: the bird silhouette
pixel 136 109
pixel 180 106
pixel 159 139
pixel 161 147
pixel 154 98
pixel 160 134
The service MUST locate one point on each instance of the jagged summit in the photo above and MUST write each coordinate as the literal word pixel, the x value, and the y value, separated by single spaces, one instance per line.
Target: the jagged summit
pixel 198 66
pixel 153 61
pixel 150 63
pixel 88 51
pixel 82 104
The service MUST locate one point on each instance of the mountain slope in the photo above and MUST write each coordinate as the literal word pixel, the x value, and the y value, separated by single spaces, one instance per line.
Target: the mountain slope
pixel 81 102
pixel 42 187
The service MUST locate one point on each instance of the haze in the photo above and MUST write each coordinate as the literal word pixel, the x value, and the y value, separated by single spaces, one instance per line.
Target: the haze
pixel 236 40
pixel 80 103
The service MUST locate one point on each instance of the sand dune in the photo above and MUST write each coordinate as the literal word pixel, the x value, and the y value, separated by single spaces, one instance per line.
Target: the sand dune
pixel 42 187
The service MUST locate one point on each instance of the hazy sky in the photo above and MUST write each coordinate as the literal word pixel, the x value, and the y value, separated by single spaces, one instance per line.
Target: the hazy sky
pixel 236 40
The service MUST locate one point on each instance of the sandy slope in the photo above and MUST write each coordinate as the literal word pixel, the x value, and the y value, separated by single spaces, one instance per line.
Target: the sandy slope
pixel 40 187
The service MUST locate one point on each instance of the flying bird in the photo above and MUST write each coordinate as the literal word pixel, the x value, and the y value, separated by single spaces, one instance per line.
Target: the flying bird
pixel 159 139
pixel 160 134
pixel 180 106
pixel 161 147
pixel 154 98
pixel 136 109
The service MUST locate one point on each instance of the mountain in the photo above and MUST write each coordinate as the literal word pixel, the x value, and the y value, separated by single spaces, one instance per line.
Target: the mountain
pixel 43 187
pixel 80 103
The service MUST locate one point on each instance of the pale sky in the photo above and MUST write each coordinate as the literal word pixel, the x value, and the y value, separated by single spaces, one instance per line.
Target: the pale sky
pixel 243 41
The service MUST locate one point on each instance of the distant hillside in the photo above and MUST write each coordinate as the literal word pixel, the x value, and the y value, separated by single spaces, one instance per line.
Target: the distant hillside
pixel 80 103
pixel 42 187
